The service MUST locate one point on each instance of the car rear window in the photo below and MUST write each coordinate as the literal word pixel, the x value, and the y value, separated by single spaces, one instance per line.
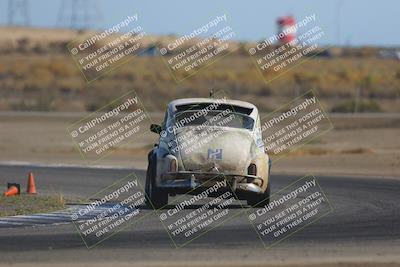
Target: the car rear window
pixel 199 106
pixel 214 118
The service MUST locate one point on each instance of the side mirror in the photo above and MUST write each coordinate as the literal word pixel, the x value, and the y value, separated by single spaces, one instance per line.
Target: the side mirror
pixel 155 128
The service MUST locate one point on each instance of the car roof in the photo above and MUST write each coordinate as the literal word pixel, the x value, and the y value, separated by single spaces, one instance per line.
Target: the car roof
pixel 172 106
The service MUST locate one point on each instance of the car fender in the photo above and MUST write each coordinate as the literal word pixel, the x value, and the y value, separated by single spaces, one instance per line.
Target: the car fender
pixel 263 166
pixel 163 159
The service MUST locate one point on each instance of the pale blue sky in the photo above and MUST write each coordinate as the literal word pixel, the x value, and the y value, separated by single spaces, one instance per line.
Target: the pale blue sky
pixel 361 22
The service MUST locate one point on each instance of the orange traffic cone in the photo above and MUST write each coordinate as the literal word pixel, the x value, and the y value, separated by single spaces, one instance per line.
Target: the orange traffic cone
pixel 12 190
pixel 31 189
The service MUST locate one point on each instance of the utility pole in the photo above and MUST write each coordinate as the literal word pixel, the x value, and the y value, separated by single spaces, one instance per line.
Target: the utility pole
pixel 79 14
pixel 18 14
pixel 337 20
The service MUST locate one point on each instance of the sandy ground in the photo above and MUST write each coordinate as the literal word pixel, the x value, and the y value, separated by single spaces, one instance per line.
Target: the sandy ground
pixel 366 145
pixel 373 152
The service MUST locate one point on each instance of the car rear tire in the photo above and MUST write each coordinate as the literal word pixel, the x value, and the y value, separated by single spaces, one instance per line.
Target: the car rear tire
pixel 260 200
pixel 154 196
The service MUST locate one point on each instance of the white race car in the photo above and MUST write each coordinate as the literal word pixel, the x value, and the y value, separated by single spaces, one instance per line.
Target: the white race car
pixel 206 139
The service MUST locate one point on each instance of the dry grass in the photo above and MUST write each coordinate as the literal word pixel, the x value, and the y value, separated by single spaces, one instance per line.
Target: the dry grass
pixel 30 204
pixel 53 82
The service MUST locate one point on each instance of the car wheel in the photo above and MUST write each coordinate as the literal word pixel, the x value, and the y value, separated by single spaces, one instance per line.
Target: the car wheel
pixel 260 200
pixel 154 196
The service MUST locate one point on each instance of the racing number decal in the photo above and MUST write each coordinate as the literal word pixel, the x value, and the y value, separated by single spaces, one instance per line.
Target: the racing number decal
pixel 215 154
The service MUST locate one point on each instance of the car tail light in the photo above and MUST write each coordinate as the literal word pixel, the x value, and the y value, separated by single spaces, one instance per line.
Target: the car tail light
pixel 252 169
pixel 173 165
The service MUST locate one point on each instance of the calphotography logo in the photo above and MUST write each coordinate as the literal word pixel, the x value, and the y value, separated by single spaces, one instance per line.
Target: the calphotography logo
pixel 285 50
pixel 113 125
pixel 191 216
pixel 294 125
pixel 290 210
pixel 215 154
pixel 199 48
pixel 99 53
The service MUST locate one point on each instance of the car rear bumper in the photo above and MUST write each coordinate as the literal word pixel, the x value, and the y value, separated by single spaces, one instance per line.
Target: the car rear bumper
pixel 185 181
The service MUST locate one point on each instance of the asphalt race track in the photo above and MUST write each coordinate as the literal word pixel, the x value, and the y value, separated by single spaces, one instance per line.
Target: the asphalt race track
pixel 365 224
